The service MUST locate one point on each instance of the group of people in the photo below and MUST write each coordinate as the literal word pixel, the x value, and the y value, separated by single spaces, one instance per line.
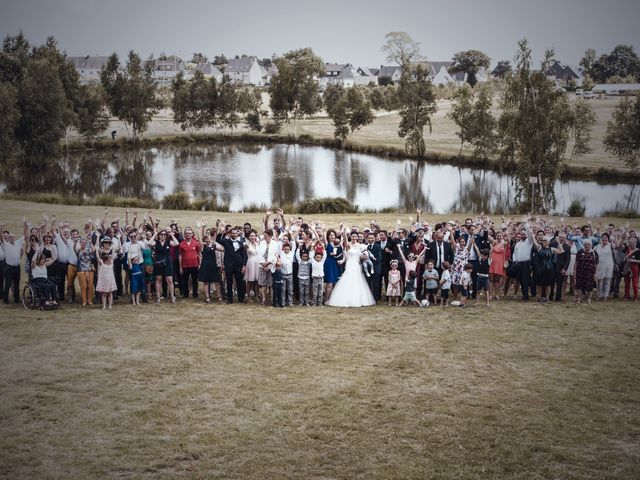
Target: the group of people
pixel 296 262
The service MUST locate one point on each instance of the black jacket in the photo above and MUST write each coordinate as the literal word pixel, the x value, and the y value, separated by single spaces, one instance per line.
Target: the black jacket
pixel 232 258
pixel 432 253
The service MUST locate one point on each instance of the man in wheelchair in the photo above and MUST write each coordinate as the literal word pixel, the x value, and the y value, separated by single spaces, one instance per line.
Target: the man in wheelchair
pixel 40 281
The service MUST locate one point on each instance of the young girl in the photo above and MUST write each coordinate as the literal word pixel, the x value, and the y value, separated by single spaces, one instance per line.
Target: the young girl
pixel 134 262
pixel 411 262
pixel 410 290
pixel 465 284
pixel 445 283
pixel 106 279
pixel 393 285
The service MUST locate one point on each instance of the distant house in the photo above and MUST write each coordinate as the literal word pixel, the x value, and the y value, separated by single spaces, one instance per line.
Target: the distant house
pixel 617 88
pixel 88 67
pixel 208 70
pixel 245 70
pixel 366 76
pixel 164 71
pixel 346 75
pixel 393 72
pixel 270 72
pixel 438 73
pixel 563 74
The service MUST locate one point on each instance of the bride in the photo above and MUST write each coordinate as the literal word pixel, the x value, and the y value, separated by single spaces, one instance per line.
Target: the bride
pixel 352 289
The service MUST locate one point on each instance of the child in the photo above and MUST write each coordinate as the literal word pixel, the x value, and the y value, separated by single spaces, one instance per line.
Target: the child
pixel 410 290
pixel 445 283
pixel 317 277
pixel 367 263
pixel 286 268
pixel 393 285
pixel 465 284
pixel 411 261
pixel 134 262
pixel 482 280
pixel 431 278
pixel 106 280
pixel 277 281
pixel 304 277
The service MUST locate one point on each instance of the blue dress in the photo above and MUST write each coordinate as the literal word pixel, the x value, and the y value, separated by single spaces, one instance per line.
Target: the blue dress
pixel 331 270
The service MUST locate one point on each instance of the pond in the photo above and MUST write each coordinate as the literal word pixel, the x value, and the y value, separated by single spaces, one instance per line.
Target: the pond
pixel 250 174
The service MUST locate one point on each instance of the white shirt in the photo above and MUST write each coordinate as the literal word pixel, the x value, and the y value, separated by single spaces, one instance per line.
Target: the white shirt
pixel 73 256
pixel 439 254
pixel 12 253
pixel 135 253
pixel 39 272
pixel 317 267
pixel 446 280
pixel 63 248
pixel 270 250
pixel 286 259
pixel 522 251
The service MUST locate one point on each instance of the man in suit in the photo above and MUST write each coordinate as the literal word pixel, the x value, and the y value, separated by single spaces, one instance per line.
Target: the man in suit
pixel 561 265
pixel 375 280
pixel 439 251
pixel 235 261
pixel 389 252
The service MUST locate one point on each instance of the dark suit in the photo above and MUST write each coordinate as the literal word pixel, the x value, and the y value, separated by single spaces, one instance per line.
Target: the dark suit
pixel 386 260
pixel 234 262
pixel 446 254
pixel 375 280
pixel 561 263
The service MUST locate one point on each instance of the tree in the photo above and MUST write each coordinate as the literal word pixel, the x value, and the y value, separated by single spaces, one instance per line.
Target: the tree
pixel 199 58
pixel 294 89
pixel 622 61
pixel 401 49
pixel 220 60
pixel 462 114
pixel 536 123
pixel 417 104
pixel 194 103
pixel 9 117
pixel 588 59
pixel 332 96
pixel 132 95
pixel 92 113
pixel 623 133
pixel 350 112
pixel 250 104
pixel 483 135
pixel 470 62
pixel 503 68
pixel 384 81
pixel 228 104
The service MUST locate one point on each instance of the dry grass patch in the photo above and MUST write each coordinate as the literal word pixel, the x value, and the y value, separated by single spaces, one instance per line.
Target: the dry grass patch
pixel 250 392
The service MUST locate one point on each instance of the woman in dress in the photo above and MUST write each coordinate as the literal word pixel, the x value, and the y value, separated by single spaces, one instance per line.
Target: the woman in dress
pixel 497 269
pixel 604 270
pixel 106 279
pixel 209 272
pixel 161 243
pixel 586 263
pixel 544 268
pixel 460 259
pixel 331 270
pixel 352 289
pixel 253 264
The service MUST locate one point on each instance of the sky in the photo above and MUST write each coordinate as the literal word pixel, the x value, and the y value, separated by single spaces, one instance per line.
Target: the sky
pixel 339 31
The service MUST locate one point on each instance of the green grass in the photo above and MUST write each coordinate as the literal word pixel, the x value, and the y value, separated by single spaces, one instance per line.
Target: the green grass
pixel 243 391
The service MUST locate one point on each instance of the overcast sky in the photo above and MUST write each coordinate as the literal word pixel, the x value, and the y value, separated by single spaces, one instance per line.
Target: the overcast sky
pixel 338 30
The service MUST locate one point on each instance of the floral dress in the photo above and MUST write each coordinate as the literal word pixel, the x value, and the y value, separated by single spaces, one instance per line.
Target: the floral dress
pixel 460 259
pixel 586 270
pixel 394 278
pixel 253 263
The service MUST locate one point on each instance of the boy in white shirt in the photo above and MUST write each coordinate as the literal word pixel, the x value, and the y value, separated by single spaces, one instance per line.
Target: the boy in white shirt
pixel 286 267
pixel 445 283
pixel 317 278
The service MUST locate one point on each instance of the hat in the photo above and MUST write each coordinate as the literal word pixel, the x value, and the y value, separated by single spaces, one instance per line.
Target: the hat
pixel 106 240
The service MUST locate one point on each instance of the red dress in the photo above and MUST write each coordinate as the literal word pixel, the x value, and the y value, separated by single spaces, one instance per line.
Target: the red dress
pixel 498 255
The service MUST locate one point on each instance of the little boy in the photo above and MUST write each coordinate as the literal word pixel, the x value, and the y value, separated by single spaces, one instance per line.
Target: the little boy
pixel 367 263
pixel 276 278
pixel 465 284
pixel 286 261
pixel 482 280
pixel 410 290
pixel 431 278
pixel 304 277
pixel 445 283
pixel 317 277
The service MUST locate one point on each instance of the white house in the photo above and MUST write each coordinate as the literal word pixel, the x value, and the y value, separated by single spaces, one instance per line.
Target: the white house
pixel 393 72
pixel 245 70
pixel 88 67
pixel 208 70
pixel 346 75
pixel 164 71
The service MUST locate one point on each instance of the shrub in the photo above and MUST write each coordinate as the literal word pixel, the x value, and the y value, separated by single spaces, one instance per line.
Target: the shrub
pixel 577 208
pixel 109 200
pixel 621 212
pixel 326 205
pixel 272 127
pixel 176 201
pixel 209 205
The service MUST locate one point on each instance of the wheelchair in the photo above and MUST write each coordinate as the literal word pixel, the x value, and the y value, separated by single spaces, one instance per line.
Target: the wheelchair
pixel 33 296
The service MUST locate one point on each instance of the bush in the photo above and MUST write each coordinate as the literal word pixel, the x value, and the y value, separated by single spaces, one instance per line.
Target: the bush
pixel 577 208
pixel 109 200
pixel 272 127
pixel 620 212
pixel 326 205
pixel 176 201
pixel 209 205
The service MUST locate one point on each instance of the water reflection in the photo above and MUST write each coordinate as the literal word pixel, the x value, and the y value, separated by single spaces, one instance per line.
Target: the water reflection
pixel 245 174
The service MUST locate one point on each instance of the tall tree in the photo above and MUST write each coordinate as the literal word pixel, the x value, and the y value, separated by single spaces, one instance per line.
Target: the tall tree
pixel 199 58
pixel 483 136
pixel 132 95
pixel 250 105
pixel 9 117
pixel 622 61
pixel 417 104
pixel 536 123
pixel 623 133
pixel 470 62
pixel 588 59
pixel 351 112
pixel 92 113
pixel 400 48
pixel 294 89
pixel 503 68
pixel 462 114
pixel 332 96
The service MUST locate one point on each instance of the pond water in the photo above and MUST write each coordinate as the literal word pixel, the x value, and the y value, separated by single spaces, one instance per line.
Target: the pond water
pixel 245 174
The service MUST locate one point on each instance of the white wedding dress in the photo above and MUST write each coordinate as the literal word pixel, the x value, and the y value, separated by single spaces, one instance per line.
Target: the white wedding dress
pixel 352 289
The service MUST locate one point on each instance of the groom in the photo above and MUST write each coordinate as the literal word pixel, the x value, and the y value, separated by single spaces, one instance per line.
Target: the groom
pixel 375 280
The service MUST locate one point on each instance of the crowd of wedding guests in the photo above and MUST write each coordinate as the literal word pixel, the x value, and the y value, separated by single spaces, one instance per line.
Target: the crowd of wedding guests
pixel 285 262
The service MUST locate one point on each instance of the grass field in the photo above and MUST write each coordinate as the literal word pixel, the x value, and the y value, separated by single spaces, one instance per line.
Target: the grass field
pixel 383 132
pixel 240 391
